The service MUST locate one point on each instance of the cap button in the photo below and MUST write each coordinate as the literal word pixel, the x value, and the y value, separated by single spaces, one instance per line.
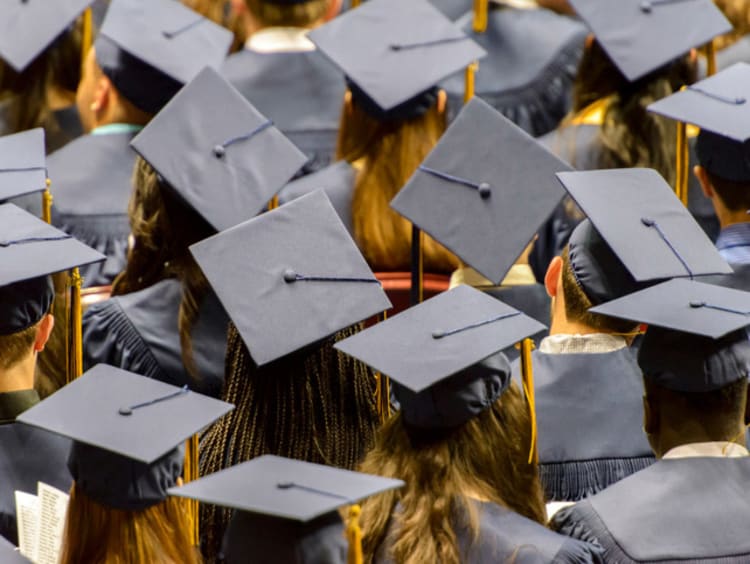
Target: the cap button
pixel 438 334
pixel 484 190
pixel 696 305
pixel 646 6
pixel 290 276
pixel 219 151
pixel 285 485
pixel 125 411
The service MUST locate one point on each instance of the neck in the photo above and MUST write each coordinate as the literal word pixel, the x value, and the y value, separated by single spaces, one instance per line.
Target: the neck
pixel 693 432
pixel 732 218
pixel 561 325
pixel 18 377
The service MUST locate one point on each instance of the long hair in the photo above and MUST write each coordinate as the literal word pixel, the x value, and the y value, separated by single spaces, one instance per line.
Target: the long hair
pixel 630 135
pixel 26 93
pixel 163 226
pixel 220 12
pixel 96 534
pixel 389 153
pixel 316 405
pixel 485 458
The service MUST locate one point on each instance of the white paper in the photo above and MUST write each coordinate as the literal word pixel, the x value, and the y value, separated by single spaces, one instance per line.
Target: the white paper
pixel 27 518
pixel 555 506
pixel 41 523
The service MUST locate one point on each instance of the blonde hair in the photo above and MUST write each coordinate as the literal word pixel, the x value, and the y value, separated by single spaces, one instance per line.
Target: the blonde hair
pixel 738 13
pixel 303 14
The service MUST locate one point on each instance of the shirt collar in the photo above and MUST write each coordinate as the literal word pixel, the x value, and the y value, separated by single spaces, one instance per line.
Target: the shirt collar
pixel 113 128
pixel 593 343
pixel 737 233
pixel 717 449
pixel 13 404
pixel 280 40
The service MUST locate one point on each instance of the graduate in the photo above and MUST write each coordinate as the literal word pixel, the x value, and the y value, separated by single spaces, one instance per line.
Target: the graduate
pixel 460 442
pixel 135 67
pixel 695 359
pixel 634 58
pixel 128 434
pixel 393 54
pixel 31 251
pixel 40 68
pixel 200 171
pixel 588 385
pixel 532 59
pixel 283 74
pixel 294 283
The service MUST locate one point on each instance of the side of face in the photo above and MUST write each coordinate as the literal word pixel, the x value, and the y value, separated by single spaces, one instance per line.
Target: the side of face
pixel 93 92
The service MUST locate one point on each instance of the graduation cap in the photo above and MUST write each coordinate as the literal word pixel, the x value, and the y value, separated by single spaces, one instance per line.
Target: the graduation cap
pixel 694 342
pixel 642 35
pixel 221 156
pixel 23 164
pixel 149 49
pixel 444 354
pixel 282 504
pixel 127 430
pixel 482 208
pixel 290 277
pixel 394 53
pixel 639 217
pixel 28 28
pixel 720 106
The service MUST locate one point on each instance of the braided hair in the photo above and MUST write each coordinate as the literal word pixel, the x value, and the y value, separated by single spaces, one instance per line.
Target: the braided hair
pixel 316 405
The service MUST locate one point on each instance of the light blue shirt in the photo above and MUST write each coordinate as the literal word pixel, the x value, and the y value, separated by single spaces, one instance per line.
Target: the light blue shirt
pixel 734 243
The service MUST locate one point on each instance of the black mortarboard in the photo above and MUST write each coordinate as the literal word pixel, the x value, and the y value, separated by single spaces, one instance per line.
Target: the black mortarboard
pixel 9 554
pixel 290 277
pixel 694 342
pixel 484 209
pixel 150 48
pixel 24 303
pixel 720 106
pixel 394 53
pixel 218 152
pixel 23 165
pixel 28 28
pixel 128 430
pixel 643 35
pixel 444 354
pixel 640 218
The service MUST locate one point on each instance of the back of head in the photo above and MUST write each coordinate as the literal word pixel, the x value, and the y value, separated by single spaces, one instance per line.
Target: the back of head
pixel 289 13
pixel 22 307
pixel 727 164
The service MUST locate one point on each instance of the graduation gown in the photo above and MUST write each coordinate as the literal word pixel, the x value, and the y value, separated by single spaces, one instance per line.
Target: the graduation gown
pixel 682 510
pixel 300 91
pixel 533 57
pixel 60 128
pixel 505 536
pixel 91 187
pixel 138 332
pixel 27 455
pixel 589 421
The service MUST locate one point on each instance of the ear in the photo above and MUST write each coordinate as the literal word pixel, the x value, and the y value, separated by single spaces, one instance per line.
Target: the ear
pixel 104 94
pixel 334 8
pixel 553 278
pixel 702 176
pixel 43 333
pixel 442 101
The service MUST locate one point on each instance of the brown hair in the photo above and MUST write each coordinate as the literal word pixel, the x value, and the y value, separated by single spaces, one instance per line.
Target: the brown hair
pixel 59 66
pixel 577 304
pixel 738 13
pixel 97 534
pixel 220 12
pixel 302 14
pixel 390 152
pixel 734 195
pixel 316 405
pixel 630 135
pixel 443 470
pixel 14 347
pixel 163 227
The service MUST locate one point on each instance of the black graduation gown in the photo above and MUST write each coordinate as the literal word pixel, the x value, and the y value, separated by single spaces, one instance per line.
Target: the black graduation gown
pixel 301 92
pixel 27 455
pixel 505 536
pixel 336 180
pixel 91 187
pixel 528 74
pixel 684 510
pixel 739 280
pixel 589 421
pixel 138 332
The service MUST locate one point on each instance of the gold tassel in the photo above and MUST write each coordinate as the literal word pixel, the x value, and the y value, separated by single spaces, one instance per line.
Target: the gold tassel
pixel 421 266
pixel 76 320
pixel 480 15
pixel 47 203
pixel 274 203
pixel 355 3
pixel 87 35
pixel 383 388
pixel 190 474
pixel 470 79
pixel 354 536
pixel 710 52
pixel 682 164
pixel 527 374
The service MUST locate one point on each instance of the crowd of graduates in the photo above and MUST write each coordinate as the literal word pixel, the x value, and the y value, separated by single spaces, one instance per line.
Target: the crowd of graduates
pixel 398 281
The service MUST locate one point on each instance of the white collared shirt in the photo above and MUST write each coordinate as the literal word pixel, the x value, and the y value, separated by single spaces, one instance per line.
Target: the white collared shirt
pixel 280 40
pixel 716 449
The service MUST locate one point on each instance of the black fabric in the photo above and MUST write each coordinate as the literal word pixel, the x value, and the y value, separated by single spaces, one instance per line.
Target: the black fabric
pixel 724 157
pixel 27 456
pixel 138 332
pixel 301 92
pixel 686 510
pixel 533 57
pixel 23 304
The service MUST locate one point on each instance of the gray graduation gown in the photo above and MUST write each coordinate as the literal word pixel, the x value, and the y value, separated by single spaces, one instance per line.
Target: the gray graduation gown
pixel 91 187
pixel 589 421
pixel 684 510
pixel 138 332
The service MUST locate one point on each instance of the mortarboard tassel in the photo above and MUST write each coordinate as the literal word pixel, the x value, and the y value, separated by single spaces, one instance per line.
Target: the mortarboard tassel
pixel 290 276
pixel 480 16
pixel 383 388
pixel 698 305
pixel 483 188
pixel 416 293
pixel 75 366
pixel 191 473
pixel 87 35
pixel 470 80
pixel 47 203
pixel 710 52
pixel 354 536
pixel 527 375
pixel 682 164
pixel 652 224
pixel 502 317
